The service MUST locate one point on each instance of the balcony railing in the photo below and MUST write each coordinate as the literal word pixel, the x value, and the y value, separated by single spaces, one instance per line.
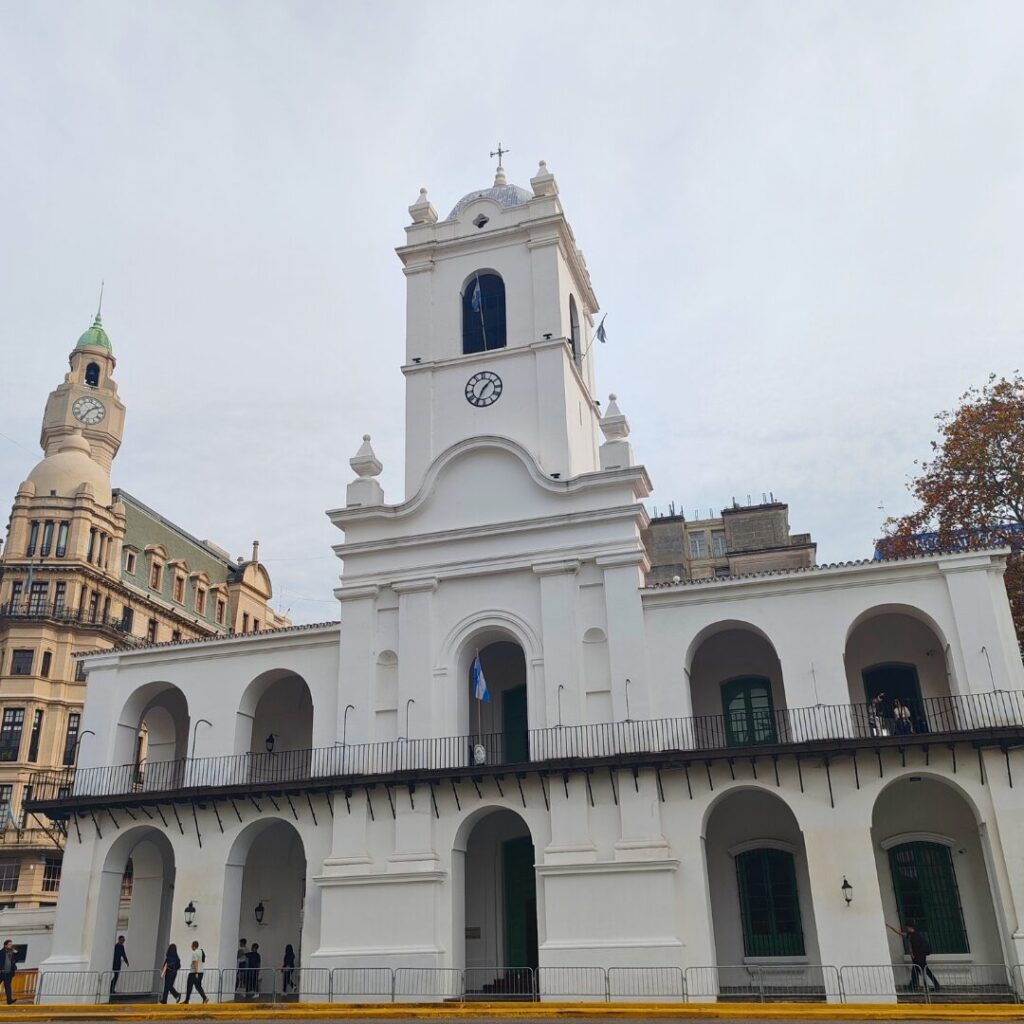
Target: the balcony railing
pixel 822 725
pixel 57 611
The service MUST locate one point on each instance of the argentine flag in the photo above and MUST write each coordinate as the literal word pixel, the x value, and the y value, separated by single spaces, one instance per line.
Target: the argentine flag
pixel 475 302
pixel 480 690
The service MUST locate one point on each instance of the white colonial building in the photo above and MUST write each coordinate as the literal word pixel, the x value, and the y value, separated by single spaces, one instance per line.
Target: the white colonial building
pixel 743 773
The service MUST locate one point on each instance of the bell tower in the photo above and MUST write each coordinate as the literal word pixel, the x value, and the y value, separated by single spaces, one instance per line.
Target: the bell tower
pixel 499 326
pixel 87 400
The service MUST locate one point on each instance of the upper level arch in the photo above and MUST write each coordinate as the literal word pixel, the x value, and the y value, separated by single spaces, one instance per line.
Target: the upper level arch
pixel 483 312
pixel 574 331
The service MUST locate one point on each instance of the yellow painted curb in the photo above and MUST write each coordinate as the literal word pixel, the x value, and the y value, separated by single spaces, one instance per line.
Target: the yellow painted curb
pixel 519 1011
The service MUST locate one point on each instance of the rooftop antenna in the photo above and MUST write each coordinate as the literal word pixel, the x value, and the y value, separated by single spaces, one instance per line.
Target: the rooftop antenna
pixel 99 307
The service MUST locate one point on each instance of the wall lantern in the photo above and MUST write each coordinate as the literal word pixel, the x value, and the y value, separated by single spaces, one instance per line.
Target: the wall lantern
pixel 190 915
pixel 270 743
pixel 259 912
pixel 847 891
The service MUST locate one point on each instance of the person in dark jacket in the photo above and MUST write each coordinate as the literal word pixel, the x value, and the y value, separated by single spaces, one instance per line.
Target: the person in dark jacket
pixel 120 959
pixel 169 972
pixel 920 950
pixel 253 959
pixel 8 968
pixel 288 968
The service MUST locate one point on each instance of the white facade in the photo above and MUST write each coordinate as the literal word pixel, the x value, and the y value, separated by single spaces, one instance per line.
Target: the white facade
pixel 374 835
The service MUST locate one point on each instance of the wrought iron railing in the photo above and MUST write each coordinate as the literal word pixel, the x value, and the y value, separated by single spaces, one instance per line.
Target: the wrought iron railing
pixel 60 612
pixel 785 727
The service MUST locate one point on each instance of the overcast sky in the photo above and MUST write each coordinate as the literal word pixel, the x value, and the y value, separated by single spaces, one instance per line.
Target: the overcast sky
pixel 805 222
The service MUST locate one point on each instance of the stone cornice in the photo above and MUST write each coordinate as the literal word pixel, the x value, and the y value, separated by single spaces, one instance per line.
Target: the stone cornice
pixel 358 592
pixel 562 567
pixel 424 585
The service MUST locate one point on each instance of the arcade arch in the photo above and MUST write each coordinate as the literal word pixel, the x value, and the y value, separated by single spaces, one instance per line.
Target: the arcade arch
pixel 152 736
pixel 274 725
pixel 498 725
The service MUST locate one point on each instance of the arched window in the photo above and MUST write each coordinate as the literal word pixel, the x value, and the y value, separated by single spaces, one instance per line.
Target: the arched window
pixel 748 710
pixel 769 906
pixel 483 313
pixel 574 330
pixel 927 895
pixel 92 375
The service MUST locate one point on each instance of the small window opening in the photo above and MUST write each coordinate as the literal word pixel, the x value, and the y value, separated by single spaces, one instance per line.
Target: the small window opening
pixel 92 375
pixel 481 220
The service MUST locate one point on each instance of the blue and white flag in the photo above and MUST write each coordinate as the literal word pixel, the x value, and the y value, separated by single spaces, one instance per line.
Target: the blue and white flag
pixel 475 299
pixel 480 690
pixel 602 336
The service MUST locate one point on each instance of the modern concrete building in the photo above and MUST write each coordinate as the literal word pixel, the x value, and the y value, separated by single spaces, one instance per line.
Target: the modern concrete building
pixel 712 784
pixel 87 567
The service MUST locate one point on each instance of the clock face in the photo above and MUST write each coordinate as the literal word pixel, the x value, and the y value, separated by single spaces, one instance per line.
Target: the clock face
pixel 88 410
pixel 483 389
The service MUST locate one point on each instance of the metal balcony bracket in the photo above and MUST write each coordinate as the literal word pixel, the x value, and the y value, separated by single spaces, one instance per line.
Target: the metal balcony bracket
pixel 113 819
pixel 270 797
pixel 544 790
pixel 195 820
pixel 775 765
pixel 981 766
pixel 433 801
pixel 309 800
pixel 142 807
pixel 590 791
pixel 615 792
pixel 238 815
pixel 686 772
pixel 391 801
pixel 1009 774
pixel 800 772
pixel 216 810
pixel 455 793
pixel 128 811
pixel 952 750
pixel 412 795
pixel 476 786
pixel 636 778
pixel 661 787
pixel 927 754
pixel 252 800
pixel 96 825
pixel 732 769
pixel 519 783
pixel 565 783
pixel 78 831
pixel 369 802
pixel 56 842
pixel 329 798
pixel 347 793
pixel 828 775
pixel 497 782
pixel 181 828
pixel 878 754
pixel 295 814
pixel 753 767
pixel 856 771
pixel 707 768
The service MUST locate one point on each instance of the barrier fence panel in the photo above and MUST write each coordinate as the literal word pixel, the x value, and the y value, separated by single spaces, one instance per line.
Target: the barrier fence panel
pixel 246 984
pixel 870 983
pixel 134 986
pixel 586 983
pixel 311 983
pixel 427 984
pixel 804 983
pixel 24 985
pixel 68 986
pixel 626 983
pixel 735 983
pixel 511 983
pixel 975 983
pixel 362 984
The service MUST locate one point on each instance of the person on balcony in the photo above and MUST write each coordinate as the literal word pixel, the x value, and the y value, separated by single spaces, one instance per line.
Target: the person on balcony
pixel 169 972
pixel 904 717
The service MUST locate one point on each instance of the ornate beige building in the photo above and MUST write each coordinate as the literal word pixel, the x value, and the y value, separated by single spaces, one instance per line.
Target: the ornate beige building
pixel 87 567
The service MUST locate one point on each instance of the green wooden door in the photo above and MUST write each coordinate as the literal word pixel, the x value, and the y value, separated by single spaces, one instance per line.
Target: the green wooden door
pixel 517 858
pixel 749 715
pixel 514 724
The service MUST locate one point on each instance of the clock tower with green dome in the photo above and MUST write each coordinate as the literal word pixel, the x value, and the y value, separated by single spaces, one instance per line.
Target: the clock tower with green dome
pixel 87 402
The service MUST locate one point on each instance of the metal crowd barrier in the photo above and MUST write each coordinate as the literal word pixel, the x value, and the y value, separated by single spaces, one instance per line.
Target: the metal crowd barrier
pixel 416 984
pixel 135 986
pixel 763 983
pixel 68 986
pixel 506 983
pixel 246 984
pixel 362 984
pixel 641 983
pixel 584 983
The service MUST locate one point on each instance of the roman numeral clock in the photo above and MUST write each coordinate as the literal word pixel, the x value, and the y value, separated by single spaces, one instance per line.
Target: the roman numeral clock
pixel 483 389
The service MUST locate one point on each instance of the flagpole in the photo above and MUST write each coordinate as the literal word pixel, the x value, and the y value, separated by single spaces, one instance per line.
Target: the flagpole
pixel 479 702
pixel 483 328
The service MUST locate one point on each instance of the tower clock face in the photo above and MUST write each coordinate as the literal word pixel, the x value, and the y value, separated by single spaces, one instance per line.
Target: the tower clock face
pixel 483 389
pixel 88 410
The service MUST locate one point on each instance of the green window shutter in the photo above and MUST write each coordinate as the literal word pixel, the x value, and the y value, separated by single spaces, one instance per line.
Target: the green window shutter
pixel 748 710
pixel 927 895
pixel 769 905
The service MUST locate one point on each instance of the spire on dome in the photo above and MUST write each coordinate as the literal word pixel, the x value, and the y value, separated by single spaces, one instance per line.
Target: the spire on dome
pixel 96 336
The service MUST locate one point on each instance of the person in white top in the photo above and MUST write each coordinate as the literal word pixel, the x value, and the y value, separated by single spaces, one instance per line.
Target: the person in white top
pixel 196 966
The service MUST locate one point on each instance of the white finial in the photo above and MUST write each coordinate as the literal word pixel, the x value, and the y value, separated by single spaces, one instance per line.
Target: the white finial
pixel 499 176
pixel 543 182
pixel 614 425
pixel 422 211
pixel 364 462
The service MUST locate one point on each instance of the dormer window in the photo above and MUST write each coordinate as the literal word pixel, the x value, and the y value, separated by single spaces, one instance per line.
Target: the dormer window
pixel 179 588
pixel 156 576
pixel 92 375
pixel 483 313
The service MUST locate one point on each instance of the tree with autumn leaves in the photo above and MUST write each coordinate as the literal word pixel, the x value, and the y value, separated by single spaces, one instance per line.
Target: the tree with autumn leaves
pixel 971 492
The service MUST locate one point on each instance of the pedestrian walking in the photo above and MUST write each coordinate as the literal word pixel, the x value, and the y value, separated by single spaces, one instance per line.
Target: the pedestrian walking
pixel 253 959
pixel 195 972
pixel 242 966
pixel 288 968
pixel 8 968
pixel 169 972
pixel 920 950
pixel 120 959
